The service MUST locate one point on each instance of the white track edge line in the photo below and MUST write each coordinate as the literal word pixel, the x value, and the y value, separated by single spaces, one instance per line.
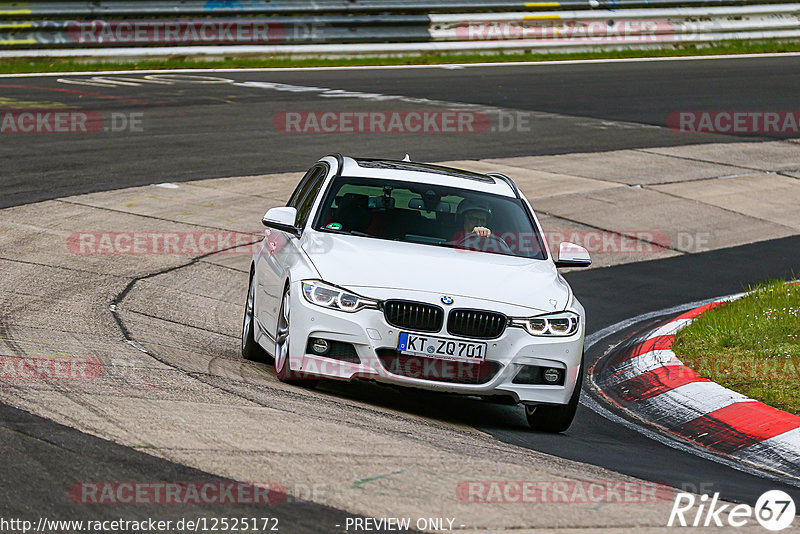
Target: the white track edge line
pixel 434 66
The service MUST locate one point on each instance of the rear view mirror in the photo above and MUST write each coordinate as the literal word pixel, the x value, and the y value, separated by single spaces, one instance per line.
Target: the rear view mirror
pixel 376 202
pixel 419 204
pixel 572 255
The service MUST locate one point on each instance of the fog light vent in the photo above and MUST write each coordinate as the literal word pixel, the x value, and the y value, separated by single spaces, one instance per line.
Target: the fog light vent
pixel 535 374
pixel 552 375
pixel 319 346
pixel 336 350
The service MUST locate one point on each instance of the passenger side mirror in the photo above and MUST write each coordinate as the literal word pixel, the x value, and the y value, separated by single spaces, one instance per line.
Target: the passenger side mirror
pixel 283 219
pixel 572 255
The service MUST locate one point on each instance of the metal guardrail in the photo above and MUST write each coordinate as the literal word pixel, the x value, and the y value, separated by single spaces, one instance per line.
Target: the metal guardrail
pixel 202 7
pixel 554 27
pixel 192 31
pixel 627 26
pixel 332 35
pixel 147 8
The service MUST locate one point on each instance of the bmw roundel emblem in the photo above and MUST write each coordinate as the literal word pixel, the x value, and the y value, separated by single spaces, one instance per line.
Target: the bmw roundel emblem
pixel 447 300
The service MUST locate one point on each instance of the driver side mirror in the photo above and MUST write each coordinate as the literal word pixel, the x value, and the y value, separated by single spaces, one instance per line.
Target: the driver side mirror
pixel 572 255
pixel 283 219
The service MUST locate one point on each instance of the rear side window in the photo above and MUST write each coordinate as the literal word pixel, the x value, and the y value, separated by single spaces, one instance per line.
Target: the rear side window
pixel 302 188
pixel 308 194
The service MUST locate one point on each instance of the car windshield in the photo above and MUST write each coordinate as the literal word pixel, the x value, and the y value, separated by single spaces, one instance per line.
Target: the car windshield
pixel 431 215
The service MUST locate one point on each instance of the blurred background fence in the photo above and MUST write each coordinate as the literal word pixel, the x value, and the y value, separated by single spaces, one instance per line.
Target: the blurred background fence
pixel 385 27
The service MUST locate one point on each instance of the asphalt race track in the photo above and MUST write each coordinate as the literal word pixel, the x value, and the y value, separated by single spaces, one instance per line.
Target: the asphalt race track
pixel 197 130
pixel 39 456
pixel 193 131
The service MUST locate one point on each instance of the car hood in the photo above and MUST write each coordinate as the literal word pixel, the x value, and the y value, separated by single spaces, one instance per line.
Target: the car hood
pixel 362 262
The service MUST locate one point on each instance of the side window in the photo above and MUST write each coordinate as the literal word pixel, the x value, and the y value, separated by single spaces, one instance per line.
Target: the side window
pixel 309 194
pixel 301 188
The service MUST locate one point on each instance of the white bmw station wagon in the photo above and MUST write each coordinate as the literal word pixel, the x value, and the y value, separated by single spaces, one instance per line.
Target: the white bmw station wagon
pixel 417 275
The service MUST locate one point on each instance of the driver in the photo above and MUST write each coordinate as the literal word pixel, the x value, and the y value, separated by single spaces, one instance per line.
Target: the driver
pixel 474 217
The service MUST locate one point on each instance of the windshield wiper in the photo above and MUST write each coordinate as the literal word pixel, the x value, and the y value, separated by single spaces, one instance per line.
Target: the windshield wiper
pixel 347 232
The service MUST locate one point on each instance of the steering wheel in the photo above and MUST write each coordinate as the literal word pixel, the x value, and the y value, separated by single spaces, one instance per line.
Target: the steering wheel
pixel 480 243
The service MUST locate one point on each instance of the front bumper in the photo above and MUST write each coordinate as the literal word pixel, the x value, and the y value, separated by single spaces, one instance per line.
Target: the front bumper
pixel 374 339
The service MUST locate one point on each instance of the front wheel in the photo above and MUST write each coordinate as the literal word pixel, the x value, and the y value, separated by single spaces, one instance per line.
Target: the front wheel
pixel 555 419
pixel 283 370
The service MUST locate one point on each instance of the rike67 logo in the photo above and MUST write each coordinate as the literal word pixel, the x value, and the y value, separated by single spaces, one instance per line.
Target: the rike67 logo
pixel 774 510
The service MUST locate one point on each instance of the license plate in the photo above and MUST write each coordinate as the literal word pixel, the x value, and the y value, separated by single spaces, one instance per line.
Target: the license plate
pixel 441 347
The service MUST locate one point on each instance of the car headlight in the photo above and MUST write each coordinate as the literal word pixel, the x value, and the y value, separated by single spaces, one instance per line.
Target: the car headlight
pixel 554 324
pixel 334 298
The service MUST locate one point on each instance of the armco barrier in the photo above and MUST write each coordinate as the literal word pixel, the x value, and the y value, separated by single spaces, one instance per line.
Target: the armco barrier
pixel 192 31
pixel 393 34
pixel 117 8
pixel 626 26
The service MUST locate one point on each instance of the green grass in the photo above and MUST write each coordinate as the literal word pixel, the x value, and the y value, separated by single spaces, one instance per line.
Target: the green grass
pixel 751 345
pixel 21 65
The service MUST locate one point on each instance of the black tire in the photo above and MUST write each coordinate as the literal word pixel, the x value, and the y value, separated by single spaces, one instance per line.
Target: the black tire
pixel 558 418
pixel 250 349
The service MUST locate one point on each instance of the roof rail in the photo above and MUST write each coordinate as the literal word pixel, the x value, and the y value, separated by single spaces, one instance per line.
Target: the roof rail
pixel 340 161
pixel 507 180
